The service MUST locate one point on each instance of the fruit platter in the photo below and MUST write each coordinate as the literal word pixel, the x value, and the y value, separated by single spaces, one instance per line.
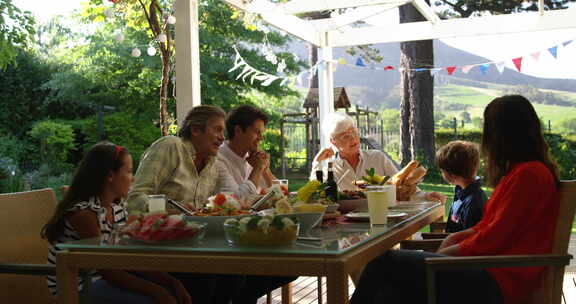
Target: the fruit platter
pixel 222 204
pixel 257 230
pixel 162 228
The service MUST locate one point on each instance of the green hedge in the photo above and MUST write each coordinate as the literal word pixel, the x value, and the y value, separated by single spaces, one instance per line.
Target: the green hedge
pixel 563 149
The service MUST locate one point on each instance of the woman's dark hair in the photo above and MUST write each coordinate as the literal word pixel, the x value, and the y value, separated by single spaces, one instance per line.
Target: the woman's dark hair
pixel 88 181
pixel 198 117
pixel 243 116
pixel 512 134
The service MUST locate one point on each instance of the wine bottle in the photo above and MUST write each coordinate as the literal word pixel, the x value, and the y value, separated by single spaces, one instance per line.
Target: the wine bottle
pixel 331 186
pixel 320 175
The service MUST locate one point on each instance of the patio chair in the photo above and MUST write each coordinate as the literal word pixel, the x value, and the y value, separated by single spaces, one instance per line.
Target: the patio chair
pixel 550 291
pixel 23 252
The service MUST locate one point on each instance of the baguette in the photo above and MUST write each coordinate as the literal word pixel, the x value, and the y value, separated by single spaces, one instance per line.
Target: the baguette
pixel 398 178
pixel 415 176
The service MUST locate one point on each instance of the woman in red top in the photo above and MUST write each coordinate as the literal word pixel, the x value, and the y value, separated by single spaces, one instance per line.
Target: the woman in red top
pixel 519 218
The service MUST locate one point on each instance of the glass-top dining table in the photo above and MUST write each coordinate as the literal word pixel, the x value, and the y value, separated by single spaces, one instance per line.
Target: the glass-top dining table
pixel 333 252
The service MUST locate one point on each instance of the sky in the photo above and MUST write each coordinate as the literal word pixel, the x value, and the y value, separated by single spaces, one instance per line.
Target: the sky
pixel 494 48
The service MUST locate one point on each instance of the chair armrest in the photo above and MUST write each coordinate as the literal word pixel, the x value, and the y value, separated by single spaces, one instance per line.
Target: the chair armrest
pixel 27 269
pixel 426 245
pixel 480 262
pixel 496 261
pixel 437 226
pixel 428 236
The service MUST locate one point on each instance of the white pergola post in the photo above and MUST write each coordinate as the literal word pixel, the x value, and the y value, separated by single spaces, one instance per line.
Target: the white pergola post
pixel 187 57
pixel 325 86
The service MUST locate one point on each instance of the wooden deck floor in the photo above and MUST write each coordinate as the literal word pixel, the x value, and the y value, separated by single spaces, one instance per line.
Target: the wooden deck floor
pixel 305 289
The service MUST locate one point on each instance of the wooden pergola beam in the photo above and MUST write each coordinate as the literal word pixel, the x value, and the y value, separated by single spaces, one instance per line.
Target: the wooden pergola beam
pixel 461 27
pixel 307 6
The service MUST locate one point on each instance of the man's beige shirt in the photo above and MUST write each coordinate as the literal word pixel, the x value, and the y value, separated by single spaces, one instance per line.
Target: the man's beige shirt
pixel 167 167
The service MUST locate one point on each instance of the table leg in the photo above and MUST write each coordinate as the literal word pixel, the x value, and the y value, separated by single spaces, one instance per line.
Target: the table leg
pixel 337 284
pixel 67 280
pixel 287 294
pixel 355 275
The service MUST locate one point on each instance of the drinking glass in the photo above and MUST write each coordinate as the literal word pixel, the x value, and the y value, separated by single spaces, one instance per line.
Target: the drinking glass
pixel 156 203
pixel 379 198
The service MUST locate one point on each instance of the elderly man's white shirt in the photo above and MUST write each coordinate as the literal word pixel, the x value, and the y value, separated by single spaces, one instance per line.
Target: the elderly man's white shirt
pixel 346 175
pixel 236 170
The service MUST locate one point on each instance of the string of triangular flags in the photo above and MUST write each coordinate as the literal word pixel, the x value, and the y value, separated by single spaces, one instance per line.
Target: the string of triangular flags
pixel 483 67
pixel 251 73
pixel 267 79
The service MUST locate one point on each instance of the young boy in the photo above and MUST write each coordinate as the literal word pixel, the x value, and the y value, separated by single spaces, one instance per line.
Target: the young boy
pixel 459 162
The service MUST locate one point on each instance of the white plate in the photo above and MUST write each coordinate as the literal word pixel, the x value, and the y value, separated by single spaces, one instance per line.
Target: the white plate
pixel 365 216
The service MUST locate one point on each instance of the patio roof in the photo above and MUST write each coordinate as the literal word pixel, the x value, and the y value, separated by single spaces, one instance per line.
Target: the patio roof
pixel 341 30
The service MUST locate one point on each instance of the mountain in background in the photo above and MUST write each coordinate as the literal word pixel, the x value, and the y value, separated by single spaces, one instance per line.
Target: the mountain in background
pixel 376 88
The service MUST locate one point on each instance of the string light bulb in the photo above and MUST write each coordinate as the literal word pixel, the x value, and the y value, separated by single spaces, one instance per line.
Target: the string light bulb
pixel 171 20
pixel 119 37
pixel 162 38
pixel 151 51
pixel 136 52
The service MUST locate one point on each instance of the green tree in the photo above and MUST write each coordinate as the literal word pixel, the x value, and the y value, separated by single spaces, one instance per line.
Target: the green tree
pixel 390 119
pixel 21 93
pixel 220 30
pixel 16 30
pixel 465 116
pixel 55 140
pixel 478 122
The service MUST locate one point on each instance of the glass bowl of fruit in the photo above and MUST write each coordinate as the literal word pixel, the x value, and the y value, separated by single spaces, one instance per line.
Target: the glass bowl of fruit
pixel 257 230
pixel 161 228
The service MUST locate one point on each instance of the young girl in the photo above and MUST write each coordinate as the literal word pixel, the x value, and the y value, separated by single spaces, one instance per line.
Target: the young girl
pixel 90 208
pixel 519 219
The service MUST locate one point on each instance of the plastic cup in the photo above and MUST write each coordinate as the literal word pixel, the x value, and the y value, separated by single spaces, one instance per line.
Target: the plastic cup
pixel 379 198
pixel 283 184
pixel 157 203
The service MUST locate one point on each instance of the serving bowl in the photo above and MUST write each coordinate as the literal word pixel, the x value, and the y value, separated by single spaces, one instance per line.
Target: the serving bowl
pixel 349 205
pixel 307 220
pixel 191 232
pixel 254 234
pixel 213 223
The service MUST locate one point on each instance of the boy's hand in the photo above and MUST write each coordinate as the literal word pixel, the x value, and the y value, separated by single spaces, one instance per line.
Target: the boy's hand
pixel 436 197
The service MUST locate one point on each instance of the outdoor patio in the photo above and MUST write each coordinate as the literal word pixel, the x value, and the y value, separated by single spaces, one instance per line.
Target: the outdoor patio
pixel 305 289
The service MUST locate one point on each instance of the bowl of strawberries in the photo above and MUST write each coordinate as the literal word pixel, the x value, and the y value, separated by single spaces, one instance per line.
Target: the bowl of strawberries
pixel 162 228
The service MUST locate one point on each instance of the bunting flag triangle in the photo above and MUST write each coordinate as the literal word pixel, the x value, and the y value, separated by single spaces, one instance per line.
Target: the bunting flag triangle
pixel 554 51
pixel 518 63
pixel 467 68
pixel 388 68
pixel 500 66
pixel 359 62
pixel 484 68
pixel 433 72
pixel 299 79
pixel 342 61
pixel 450 69
pixel 565 43
pixel 535 56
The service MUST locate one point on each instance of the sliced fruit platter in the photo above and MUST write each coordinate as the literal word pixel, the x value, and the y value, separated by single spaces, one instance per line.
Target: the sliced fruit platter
pixel 156 228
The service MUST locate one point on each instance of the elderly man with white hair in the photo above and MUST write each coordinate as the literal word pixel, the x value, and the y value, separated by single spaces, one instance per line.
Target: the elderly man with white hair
pixel 350 163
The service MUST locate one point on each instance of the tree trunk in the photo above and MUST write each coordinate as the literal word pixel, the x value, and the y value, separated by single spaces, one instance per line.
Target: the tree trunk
pixel 417 100
pixel 164 92
pixel 313 59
